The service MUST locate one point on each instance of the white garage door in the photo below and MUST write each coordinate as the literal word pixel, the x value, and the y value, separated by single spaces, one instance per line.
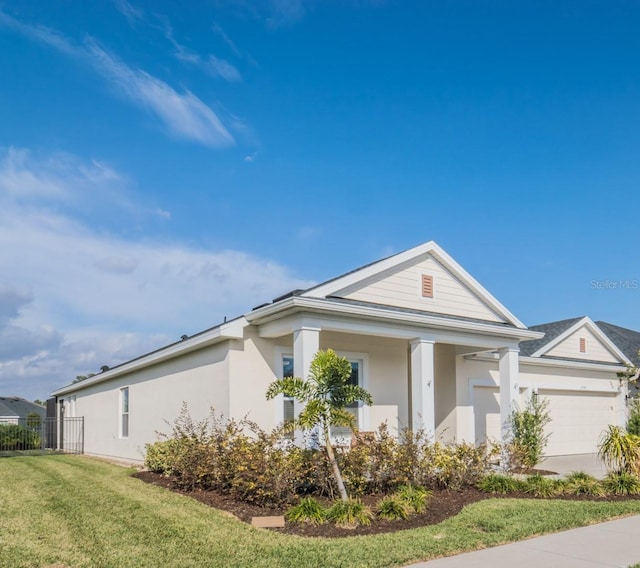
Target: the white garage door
pixel 577 420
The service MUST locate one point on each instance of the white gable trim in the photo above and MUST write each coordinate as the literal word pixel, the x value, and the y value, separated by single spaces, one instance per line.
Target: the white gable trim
pixel 431 248
pixel 593 328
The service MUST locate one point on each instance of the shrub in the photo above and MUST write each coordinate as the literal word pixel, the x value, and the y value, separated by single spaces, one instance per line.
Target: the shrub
pixel 307 511
pixel 393 508
pixel 453 466
pixel 159 456
pixel 528 428
pixel 14 437
pixel 580 483
pixel 496 483
pixel 633 422
pixel 415 497
pixel 620 451
pixel 622 483
pixel 540 486
pixel 349 514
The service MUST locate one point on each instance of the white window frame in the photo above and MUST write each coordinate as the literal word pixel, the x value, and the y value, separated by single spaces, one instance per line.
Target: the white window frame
pixel 122 413
pixel 352 356
pixel 363 360
pixel 281 353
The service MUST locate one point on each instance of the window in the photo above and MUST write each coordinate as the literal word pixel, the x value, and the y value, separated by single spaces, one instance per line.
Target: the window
pixel 287 402
pixel 355 379
pixel 427 286
pixel 124 412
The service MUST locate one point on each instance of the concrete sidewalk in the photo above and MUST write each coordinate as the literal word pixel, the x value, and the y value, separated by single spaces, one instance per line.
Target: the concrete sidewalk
pixel 614 543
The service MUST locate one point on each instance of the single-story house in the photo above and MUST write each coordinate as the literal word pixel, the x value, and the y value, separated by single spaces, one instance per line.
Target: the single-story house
pixel 434 348
pixel 15 410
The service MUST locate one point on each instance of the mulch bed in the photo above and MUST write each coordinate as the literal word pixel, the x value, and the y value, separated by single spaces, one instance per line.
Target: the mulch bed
pixel 442 505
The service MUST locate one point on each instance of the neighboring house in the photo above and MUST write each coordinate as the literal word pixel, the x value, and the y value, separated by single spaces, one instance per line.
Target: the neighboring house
pixel 14 410
pixel 436 350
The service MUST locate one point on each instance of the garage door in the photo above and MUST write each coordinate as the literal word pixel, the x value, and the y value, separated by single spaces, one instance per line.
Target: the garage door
pixel 577 420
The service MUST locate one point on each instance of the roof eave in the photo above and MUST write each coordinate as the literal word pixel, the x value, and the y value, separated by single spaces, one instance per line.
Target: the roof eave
pixel 224 332
pixel 302 303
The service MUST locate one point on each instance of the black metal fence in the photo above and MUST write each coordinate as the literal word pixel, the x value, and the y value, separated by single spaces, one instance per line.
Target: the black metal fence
pixel 36 435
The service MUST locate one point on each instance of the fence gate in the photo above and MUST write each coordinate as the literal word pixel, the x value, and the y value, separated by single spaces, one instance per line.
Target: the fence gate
pixel 35 435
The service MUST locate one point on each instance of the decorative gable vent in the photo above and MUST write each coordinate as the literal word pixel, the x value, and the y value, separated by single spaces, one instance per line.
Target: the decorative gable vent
pixel 583 345
pixel 427 286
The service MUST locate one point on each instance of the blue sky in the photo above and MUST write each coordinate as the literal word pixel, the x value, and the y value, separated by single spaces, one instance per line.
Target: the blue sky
pixel 163 166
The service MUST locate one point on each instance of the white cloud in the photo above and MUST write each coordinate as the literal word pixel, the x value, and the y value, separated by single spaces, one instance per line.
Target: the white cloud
pixel 74 298
pixel 131 13
pixel 183 114
pixel 212 65
pixel 220 68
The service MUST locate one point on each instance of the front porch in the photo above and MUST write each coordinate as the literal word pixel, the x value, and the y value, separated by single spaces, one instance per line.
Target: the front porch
pixel 416 375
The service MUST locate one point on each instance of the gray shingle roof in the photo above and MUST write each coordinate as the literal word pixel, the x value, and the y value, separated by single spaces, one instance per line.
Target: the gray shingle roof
pixel 551 331
pixel 16 406
pixel 627 340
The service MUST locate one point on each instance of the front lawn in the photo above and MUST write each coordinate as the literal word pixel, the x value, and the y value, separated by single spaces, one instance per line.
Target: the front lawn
pixel 74 511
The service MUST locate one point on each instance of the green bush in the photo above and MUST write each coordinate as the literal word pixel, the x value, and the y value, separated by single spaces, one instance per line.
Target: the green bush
pixel 415 497
pixel 528 429
pixel 496 483
pixel 349 514
pixel 14 437
pixel 621 483
pixel 580 483
pixel 393 508
pixel 307 511
pixel 619 450
pixel 237 458
pixel 159 456
pixel 540 486
pixel 633 422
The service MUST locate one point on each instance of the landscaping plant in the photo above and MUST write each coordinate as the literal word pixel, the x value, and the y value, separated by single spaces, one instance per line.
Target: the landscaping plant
pixel 393 508
pixel 633 422
pixel 325 395
pixel 349 514
pixel 497 483
pixel 307 511
pixel 621 483
pixel 581 483
pixel 620 450
pixel 415 497
pixel 528 430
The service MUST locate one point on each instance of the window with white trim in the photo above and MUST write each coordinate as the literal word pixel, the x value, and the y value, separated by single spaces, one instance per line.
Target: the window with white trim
pixel 287 401
pixel 124 412
pixel 355 379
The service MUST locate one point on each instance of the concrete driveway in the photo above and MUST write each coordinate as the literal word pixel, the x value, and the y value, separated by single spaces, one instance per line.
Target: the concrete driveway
pixel 564 465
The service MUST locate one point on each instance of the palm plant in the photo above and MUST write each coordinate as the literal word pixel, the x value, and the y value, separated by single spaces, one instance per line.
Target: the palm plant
pixel 325 395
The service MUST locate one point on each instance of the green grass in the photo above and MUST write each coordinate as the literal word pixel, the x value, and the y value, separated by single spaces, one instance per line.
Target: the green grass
pixel 77 512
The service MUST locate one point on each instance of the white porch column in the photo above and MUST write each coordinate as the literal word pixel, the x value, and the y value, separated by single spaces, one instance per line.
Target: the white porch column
pixel 422 387
pixel 306 343
pixel 509 388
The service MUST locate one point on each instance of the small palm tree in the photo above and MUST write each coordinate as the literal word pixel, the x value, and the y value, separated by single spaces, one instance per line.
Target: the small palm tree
pixel 326 394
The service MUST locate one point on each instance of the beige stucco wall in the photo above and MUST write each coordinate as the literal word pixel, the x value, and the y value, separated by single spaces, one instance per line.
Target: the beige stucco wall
pixel 445 392
pixel 386 374
pixel 155 395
